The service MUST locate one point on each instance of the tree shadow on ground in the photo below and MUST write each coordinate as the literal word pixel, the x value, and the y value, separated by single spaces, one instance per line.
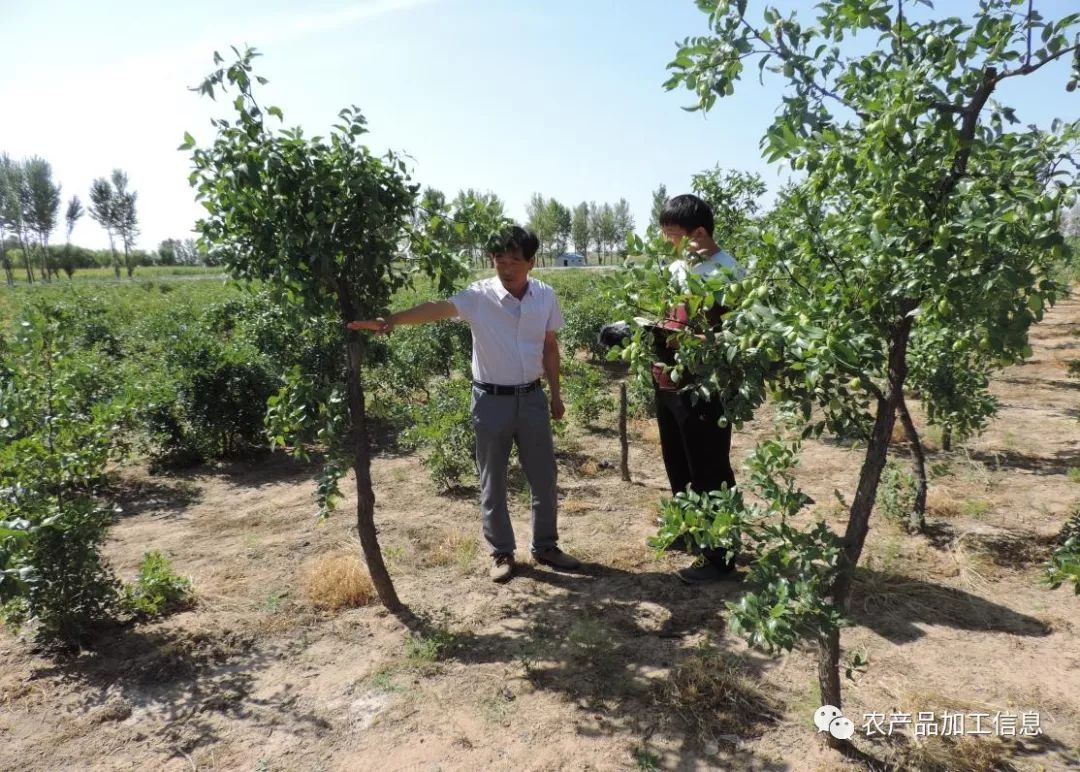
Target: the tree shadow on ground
pixel 1042 383
pixel 599 430
pixel 385 437
pixel 893 605
pixel 624 648
pixel 1008 548
pixel 621 646
pixel 462 492
pixel 167 498
pixel 1057 464
pixel 173 682
pixel 844 443
pixel 578 465
pixel 256 471
pixel 967 751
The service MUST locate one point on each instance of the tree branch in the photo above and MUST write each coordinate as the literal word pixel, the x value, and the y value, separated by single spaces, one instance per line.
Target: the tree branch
pixel 786 54
pixel 900 29
pixel 816 233
pixel 947 107
pixel 791 276
pixel 1027 60
pixel 971 111
pixel 1027 69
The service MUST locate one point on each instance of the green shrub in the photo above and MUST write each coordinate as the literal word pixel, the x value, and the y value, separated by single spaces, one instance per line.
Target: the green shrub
pixel 896 492
pixel 158 590
pixel 587 393
pixel 224 398
pixel 281 335
pixel 444 432
pixel 584 320
pixel 207 400
pixel 1064 565
pixel 640 398
pixel 58 430
pixel 417 353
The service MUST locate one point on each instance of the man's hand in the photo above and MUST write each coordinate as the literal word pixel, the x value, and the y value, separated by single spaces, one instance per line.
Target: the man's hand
pixel 558 410
pixel 380 325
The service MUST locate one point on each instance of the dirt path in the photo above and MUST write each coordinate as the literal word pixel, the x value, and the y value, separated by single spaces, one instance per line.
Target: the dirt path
pixel 618 668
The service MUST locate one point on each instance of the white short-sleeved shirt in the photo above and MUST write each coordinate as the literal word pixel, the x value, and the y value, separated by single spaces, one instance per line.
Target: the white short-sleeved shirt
pixel 508 334
pixel 710 266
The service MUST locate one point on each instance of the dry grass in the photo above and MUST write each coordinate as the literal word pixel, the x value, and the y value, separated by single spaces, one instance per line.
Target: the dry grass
pixel 644 430
pixel 715 695
pixel 894 594
pixel 629 557
pixel 975 508
pixel 884 554
pixel 899 436
pixel 957 753
pixel 972 567
pixel 574 506
pixel 942 502
pixel 441 547
pixel 337 580
pixel 967 468
pixel 455 548
pixel 931 438
pixel 588 468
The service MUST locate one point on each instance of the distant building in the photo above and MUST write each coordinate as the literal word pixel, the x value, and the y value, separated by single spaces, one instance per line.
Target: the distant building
pixel 570 260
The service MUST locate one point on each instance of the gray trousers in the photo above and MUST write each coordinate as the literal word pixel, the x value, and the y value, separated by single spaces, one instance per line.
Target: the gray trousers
pixel 500 421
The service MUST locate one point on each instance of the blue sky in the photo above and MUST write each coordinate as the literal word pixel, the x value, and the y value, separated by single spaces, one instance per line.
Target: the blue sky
pixel 561 97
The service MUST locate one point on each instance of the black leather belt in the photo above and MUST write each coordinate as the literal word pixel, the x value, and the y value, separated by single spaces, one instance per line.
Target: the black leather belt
pixel 507 391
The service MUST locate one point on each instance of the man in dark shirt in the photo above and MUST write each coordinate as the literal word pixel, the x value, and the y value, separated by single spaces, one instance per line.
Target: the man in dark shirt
pixel 694 446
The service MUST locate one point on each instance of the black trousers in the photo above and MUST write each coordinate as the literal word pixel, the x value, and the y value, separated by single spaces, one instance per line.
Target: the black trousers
pixel 695 448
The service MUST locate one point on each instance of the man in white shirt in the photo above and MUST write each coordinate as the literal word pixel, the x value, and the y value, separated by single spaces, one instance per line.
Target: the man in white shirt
pixel 514 320
pixel 694 446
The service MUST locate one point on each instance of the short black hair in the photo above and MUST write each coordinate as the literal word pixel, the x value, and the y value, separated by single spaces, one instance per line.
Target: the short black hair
pixel 689 213
pixel 513 239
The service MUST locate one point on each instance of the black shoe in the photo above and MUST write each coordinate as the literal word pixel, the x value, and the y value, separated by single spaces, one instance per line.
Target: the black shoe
pixel 556 558
pixel 502 568
pixel 707 573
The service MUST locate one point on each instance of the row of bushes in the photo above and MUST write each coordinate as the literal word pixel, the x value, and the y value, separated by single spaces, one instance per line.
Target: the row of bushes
pixel 181 374
pixel 63 417
pixel 197 364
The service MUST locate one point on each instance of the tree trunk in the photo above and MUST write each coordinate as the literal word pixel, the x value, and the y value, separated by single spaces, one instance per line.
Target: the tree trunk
pixel 8 273
pixel 829 669
pixel 45 272
pixel 946 438
pixel 624 444
pixel 26 258
pixel 127 260
pixel 115 257
pixel 859 517
pixel 358 441
pixel 917 517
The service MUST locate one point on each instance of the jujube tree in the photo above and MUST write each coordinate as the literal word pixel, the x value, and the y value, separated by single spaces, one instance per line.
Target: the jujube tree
pixel 914 202
pixel 327 226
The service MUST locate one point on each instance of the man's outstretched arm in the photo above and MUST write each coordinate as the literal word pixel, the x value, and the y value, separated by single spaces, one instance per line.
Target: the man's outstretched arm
pixel 421 314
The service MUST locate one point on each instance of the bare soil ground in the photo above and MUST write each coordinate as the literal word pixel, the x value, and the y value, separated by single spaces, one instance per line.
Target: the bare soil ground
pixel 619 667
